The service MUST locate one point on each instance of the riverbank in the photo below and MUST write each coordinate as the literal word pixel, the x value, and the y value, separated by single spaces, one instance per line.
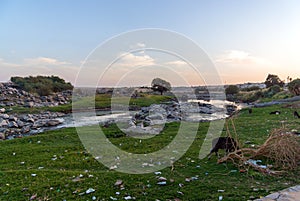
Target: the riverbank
pixel 59 158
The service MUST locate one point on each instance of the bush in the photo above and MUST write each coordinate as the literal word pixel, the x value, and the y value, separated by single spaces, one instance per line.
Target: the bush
pixel 42 85
pixel 232 89
pixel 253 88
pixel 272 91
pixel 294 87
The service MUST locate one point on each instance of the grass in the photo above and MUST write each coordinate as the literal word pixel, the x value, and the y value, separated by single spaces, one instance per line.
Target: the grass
pixel 64 158
pixel 102 101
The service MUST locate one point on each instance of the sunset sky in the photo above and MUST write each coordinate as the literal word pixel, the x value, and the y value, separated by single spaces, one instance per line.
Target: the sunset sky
pixel 245 40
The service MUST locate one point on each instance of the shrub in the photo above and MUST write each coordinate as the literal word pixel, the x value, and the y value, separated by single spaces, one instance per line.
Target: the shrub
pixel 42 85
pixel 294 87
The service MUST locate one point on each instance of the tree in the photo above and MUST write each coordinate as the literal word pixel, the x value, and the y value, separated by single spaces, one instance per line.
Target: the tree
pixel 232 89
pixel 160 85
pixel 294 87
pixel 273 80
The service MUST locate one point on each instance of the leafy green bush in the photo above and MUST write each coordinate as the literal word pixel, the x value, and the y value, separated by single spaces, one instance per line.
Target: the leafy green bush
pixel 272 91
pixel 249 97
pixel 42 85
pixel 232 89
pixel 253 88
pixel 294 87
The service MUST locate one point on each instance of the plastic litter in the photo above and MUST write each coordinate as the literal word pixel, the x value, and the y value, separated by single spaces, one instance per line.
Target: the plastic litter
pixel 90 190
pixel 128 197
pixel 162 183
pixel 118 182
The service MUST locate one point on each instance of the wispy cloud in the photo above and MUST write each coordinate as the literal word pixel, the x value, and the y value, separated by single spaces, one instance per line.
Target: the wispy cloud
pixel 38 66
pixel 4 64
pixel 176 63
pixel 138 46
pixel 44 61
pixel 240 57
pixel 131 60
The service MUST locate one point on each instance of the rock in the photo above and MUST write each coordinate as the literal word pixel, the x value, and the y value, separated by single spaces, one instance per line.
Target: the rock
pixel 5 116
pixel 2 136
pixel 54 122
pixel 13 118
pixel 2 110
pixel 25 129
pixel 3 123
pixel 20 123
pixel 29 104
pixel 13 124
pixel 39 123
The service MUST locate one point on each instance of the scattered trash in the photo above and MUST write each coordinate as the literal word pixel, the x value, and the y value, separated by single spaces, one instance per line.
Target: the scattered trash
pixel 198 166
pixel 180 185
pixel 255 189
pixel 80 175
pixel 40 167
pixel 38 142
pixel 128 197
pixel 233 171
pixel 90 190
pixel 117 193
pixel 76 179
pixel 33 197
pixel 162 179
pixel 24 189
pixel 14 154
pixel 112 198
pixel 22 163
pixel 221 191
pixel 118 182
pixel 162 183
pixel 157 173
pixel 220 197
pixel 94 198
pixel 113 167
pixel 90 176
pixel 179 192
pixel 255 163
pixel 33 175
pixel 206 173
pixel 243 171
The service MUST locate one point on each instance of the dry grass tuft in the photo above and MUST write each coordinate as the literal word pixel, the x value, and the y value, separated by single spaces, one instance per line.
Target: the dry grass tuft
pixel 282 148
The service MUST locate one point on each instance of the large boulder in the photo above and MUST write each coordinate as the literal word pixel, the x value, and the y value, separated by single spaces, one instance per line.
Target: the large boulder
pixel 54 122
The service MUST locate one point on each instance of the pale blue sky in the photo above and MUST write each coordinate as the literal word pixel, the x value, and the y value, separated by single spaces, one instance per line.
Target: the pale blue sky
pixel 245 39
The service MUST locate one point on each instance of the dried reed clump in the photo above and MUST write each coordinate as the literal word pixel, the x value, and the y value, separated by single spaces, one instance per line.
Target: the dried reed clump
pixel 281 147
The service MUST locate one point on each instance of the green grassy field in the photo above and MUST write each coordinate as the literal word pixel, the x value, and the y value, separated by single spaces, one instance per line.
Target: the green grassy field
pixel 58 157
pixel 102 101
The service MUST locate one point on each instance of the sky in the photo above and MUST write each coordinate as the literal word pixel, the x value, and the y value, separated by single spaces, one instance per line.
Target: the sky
pixel 245 40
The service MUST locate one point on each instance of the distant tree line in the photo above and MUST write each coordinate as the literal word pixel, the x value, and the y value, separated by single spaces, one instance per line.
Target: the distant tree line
pixel 274 89
pixel 42 85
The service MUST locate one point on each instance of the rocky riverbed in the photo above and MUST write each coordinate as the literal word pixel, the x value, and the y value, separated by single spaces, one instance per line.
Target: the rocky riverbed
pixel 18 125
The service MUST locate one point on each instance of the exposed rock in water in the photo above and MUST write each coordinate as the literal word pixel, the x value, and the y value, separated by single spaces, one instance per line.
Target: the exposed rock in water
pixel 15 125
